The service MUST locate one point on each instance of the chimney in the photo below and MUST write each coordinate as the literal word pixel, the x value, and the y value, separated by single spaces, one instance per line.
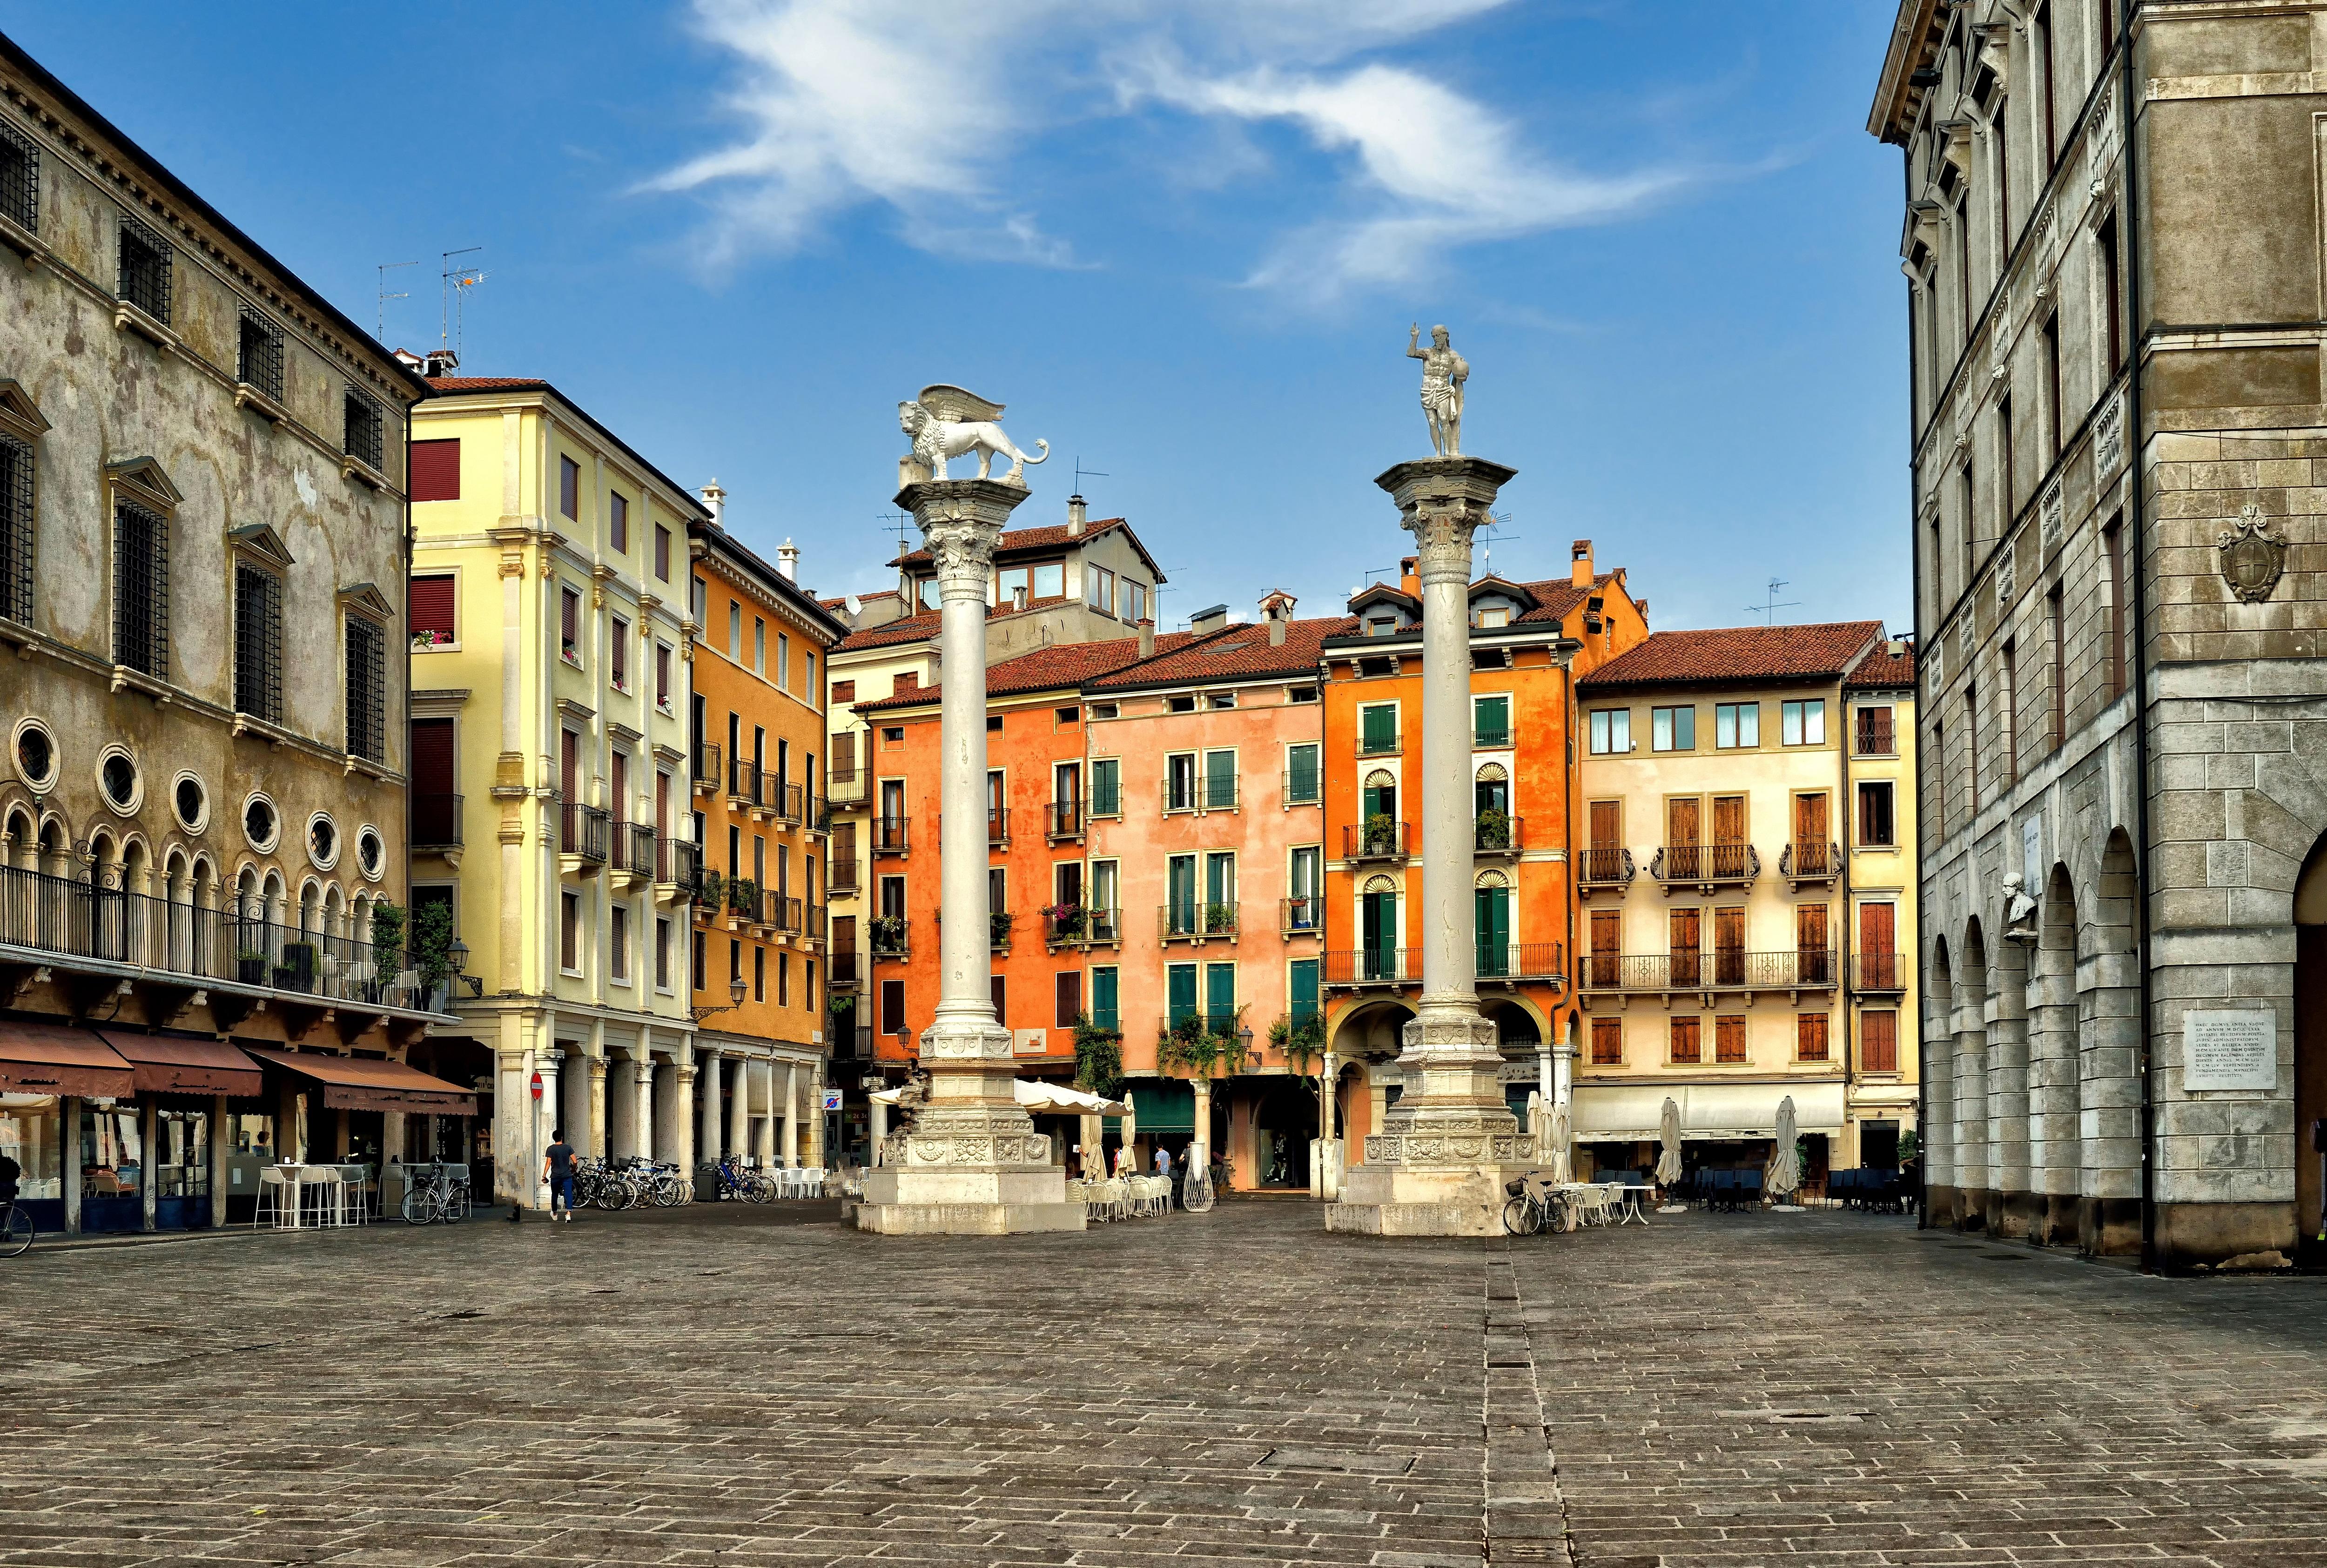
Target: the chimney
pixel 788 561
pixel 1277 609
pixel 440 362
pixel 715 502
pixel 1211 620
pixel 1018 597
pixel 1146 638
pixel 1409 576
pixel 1076 516
pixel 1580 573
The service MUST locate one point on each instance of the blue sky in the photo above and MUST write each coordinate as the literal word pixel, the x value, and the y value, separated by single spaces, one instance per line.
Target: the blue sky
pixel 1182 241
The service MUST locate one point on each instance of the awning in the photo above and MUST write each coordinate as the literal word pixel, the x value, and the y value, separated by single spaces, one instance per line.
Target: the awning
pixel 1628 1113
pixel 1037 1099
pixel 47 1058
pixel 365 1083
pixel 167 1065
pixel 1163 1105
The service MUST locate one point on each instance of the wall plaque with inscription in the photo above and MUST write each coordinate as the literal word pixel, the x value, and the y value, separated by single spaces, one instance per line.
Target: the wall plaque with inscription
pixel 2230 1049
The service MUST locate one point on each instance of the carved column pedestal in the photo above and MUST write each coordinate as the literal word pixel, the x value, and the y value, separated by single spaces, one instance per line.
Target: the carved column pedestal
pixel 971 1162
pixel 1438 1165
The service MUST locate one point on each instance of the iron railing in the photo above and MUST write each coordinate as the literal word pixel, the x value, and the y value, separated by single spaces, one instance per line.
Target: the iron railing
pixel 997 826
pixel 889 936
pixel 1374 841
pixel 1811 859
pixel 582 830
pixel 745 781
pixel 815 922
pixel 843 973
pixel 1520 961
pixel 1874 736
pixel 1301 917
pixel 1721 969
pixel 842 874
pixel 1380 745
pixel 1605 865
pixel 888 834
pixel 1190 919
pixel 1707 863
pixel 679 862
pixel 706 762
pixel 1373 966
pixel 1302 786
pixel 436 822
pixel 1218 791
pixel 1879 971
pixel 1495 832
pixel 1063 820
pixel 1084 925
pixel 1497 739
pixel 791 801
pixel 633 848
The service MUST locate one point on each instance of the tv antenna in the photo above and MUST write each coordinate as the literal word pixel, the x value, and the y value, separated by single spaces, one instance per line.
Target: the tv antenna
pixel 454 282
pixel 379 331
pixel 1094 472
pixel 1492 529
pixel 1770 608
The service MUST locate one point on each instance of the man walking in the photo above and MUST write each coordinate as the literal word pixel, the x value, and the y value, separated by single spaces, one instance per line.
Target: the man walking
pixel 557 1170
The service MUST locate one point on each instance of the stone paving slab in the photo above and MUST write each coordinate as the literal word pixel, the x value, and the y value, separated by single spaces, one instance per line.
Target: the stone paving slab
pixel 1231 1389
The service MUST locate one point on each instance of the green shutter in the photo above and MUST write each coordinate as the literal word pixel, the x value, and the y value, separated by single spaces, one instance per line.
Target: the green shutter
pixel 1220 994
pixel 1220 779
pixel 1493 932
pixel 1103 1009
pixel 1303 782
pixel 1304 989
pixel 1492 721
pixel 1107 788
pixel 1181 987
pixel 1380 730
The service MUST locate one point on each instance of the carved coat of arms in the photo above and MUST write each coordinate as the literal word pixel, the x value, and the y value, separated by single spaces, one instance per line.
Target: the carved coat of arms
pixel 2252 557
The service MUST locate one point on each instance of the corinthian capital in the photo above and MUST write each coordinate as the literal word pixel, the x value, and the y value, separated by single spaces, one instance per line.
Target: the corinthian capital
pixel 963 548
pixel 1442 528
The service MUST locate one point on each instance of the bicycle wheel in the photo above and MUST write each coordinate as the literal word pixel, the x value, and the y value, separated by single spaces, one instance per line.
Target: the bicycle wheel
pixel 456 1205
pixel 18 1236
pixel 418 1206
pixel 1521 1217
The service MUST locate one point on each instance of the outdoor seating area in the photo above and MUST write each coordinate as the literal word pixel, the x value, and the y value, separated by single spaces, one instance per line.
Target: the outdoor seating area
pixel 1874 1190
pixel 1123 1198
pixel 1726 1191
pixel 296 1197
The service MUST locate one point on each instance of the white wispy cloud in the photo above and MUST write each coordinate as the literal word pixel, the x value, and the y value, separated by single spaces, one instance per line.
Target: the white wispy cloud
pixel 932 111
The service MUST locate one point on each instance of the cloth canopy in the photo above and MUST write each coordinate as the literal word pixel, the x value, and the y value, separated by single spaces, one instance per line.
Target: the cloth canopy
pixel 167 1065
pixel 47 1058
pixel 366 1083
pixel 1050 1100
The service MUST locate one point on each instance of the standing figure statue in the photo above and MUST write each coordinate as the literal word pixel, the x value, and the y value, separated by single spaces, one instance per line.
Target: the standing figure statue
pixel 1444 371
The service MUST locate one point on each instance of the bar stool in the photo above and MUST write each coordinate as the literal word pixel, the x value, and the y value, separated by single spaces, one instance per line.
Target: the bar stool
pixel 270 1199
pixel 329 1193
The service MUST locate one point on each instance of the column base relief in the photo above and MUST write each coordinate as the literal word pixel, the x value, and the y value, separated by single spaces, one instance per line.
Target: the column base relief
pixel 1448 1146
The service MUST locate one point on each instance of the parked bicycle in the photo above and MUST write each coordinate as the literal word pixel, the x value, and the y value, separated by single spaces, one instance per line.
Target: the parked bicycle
pixel 743 1184
pixel 16 1231
pixel 630 1182
pixel 435 1194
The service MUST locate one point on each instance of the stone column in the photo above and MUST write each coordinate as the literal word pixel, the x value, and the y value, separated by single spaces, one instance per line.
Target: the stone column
pixel 763 1136
pixel 574 1108
pixel 1203 1086
pixel 643 1075
pixel 597 1124
pixel 149 1164
pixel 976 1165
pixel 622 1127
pixel 221 1141
pixel 790 1080
pixel 681 1102
pixel 706 1078
pixel 1438 1166
pixel 739 1110
pixel 69 1159
pixel 877 1121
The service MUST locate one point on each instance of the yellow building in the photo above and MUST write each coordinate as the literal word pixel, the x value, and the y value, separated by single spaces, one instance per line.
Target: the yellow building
pixel 1729 948
pixel 549 720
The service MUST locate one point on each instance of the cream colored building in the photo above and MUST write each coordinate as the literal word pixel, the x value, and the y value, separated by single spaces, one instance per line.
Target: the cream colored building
pixel 1726 955
pixel 551 663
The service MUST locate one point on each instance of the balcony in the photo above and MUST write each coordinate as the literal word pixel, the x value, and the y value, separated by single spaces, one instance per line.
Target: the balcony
pixel 1302 787
pixel 1876 973
pixel 997 828
pixel 1217 792
pixel 1379 839
pixel 1603 868
pixel 1070 926
pixel 842 874
pixel 783 914
pixel 1189 921
pixel 748 789
pixel 843 972
pixel 678 867
pixel 1304 917
pixel 1062 821
pixel 789 801
pixel 1809 969
pixel 706 767
pixel 846 787
pixel 1705 866
pixel 818 818
pixel 1381 745
pixel 1497 739
pixel 581 834
pixel 435 824
pixel 1493 833
pixel 57 923
pixel 1538 963
pixel 852 1044
pixel 1808 860
pixel 891 937
pixel 814 924
pixel 1373 966
pixel 888 834
pixel 633 855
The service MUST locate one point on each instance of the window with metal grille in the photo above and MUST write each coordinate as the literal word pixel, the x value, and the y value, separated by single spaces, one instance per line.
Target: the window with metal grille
pixel 20 177
pixel 364 428
pixel 258 643
pixel 259 362
pixel 366 690
pixel 144 277
pixel 15 530
pixel 140 589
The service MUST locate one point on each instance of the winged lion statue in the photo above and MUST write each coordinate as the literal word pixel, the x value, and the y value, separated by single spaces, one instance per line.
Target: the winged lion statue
pixel 947 422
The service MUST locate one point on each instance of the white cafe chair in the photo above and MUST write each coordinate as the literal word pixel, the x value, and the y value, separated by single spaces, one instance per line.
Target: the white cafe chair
pixel 320 1194
pixel 269 1204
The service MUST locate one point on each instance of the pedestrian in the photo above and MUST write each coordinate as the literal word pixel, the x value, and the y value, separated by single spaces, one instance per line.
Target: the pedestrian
pixel 557 1170
pixel 1162 1161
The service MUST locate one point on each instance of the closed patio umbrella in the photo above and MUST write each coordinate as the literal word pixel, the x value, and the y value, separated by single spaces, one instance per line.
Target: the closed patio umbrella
pixel 1784 1172
pixel 1668 1161
pixel 1535 1116
pixel 1554 1159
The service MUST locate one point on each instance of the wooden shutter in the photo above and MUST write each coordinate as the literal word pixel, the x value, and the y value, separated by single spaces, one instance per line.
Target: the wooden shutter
pixel 1180 990
pixel 569 766
pixel 1811 1036
pixel 1810 928
pixel 1607 1043
pixel 1103 1005
pixel 435 474
pixel 1607 830
pixel 1068 983
pixel 1878 956
pixel 1682 820
pixel 569 488
pixel 1729 947
pixel 1687 930
pixel 1878 1035
pixel 1303 985
pixel 620 779
pixel 1729 820
pixel 1809 820
pixel 663 804
pixel 998 987
pixel 1688 1044
pixel 1729 1038
pixel 432 758
pixel 569 618
pixel 433 604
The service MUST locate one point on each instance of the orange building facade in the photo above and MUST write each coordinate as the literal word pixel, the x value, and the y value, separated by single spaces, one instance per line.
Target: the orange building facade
pixel 1530 642
pixel 760 823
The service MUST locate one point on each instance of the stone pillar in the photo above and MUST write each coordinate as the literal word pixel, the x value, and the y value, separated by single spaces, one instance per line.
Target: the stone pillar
pixel 221 1141
pixel 789 1080
pixel 1325 1157
pixel 623 1132
pixel 763 1131
pixel 877 1112
pixel 545 1123
pixel 2013 1206
pixel 149 1164
pixel 681 1103
pixel 596 1125
pixel 1203 1086
pixel 739 1109
pixel 643 1075
pixel 706 1078
pixel 1438 1166
pixel 978 1166
pixel 575 1082
pixel 69 1159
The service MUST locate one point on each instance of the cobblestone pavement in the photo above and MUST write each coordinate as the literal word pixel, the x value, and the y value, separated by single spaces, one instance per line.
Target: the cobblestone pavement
pixel 741 1387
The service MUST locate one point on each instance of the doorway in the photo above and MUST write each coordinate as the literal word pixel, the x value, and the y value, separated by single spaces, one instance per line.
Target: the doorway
pixel 2311 1056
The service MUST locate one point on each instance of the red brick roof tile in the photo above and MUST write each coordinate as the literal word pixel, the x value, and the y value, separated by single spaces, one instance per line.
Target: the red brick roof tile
pixel 1740 653
pixel 1062 664
pixel 1885 669
pixel 1047 537
pixel 1239 652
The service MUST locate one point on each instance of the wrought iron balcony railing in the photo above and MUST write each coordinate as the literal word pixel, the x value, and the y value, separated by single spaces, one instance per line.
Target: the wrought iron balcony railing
pixel 1374 841
pixel 1494 833
pixel 1186 920
pixel 888 834
pixel 745 781
pixel 843 874
pixel 1705 864
pixel 1063 820
pixel 582 830
pixel 1302 786
pixel 1381 745
pixel 1538 961
pixel 1721 969
pixel 1373 966
pixel 707 763
pixel 843 973
pixel 890 937
pixel 1302 917
pixel 633 848
pixel 1810 859
pixel 1879 971
pixel 1605 866
pixel 678 861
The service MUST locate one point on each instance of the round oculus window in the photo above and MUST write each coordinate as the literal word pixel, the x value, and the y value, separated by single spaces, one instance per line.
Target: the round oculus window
pixel 119 774
pixel 194 805
pixel 259 823
pixel 323 840
pixel 36 757
pixel 369 853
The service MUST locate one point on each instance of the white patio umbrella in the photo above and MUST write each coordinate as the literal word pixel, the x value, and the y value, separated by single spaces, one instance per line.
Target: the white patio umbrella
pixel 1784 1172
pixel 1535 1115
pixel 1555 1159
pixel 1668 1163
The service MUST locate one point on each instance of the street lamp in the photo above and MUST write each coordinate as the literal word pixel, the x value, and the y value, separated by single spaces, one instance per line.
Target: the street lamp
pixel 457 955
pixel 734 999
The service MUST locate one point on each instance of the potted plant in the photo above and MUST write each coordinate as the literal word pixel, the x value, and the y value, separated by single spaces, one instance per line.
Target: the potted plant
pixel 432 952
pixel 297 970
pixel 888 933
pixel 710 888
pixel 1220 919
pixel 1494 829
pixel 1299 1042
pixel 1067 921
pixel 250 966
pixel 997 922
pixel 1098 1058
pixel 743 896
pixel 1382 833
